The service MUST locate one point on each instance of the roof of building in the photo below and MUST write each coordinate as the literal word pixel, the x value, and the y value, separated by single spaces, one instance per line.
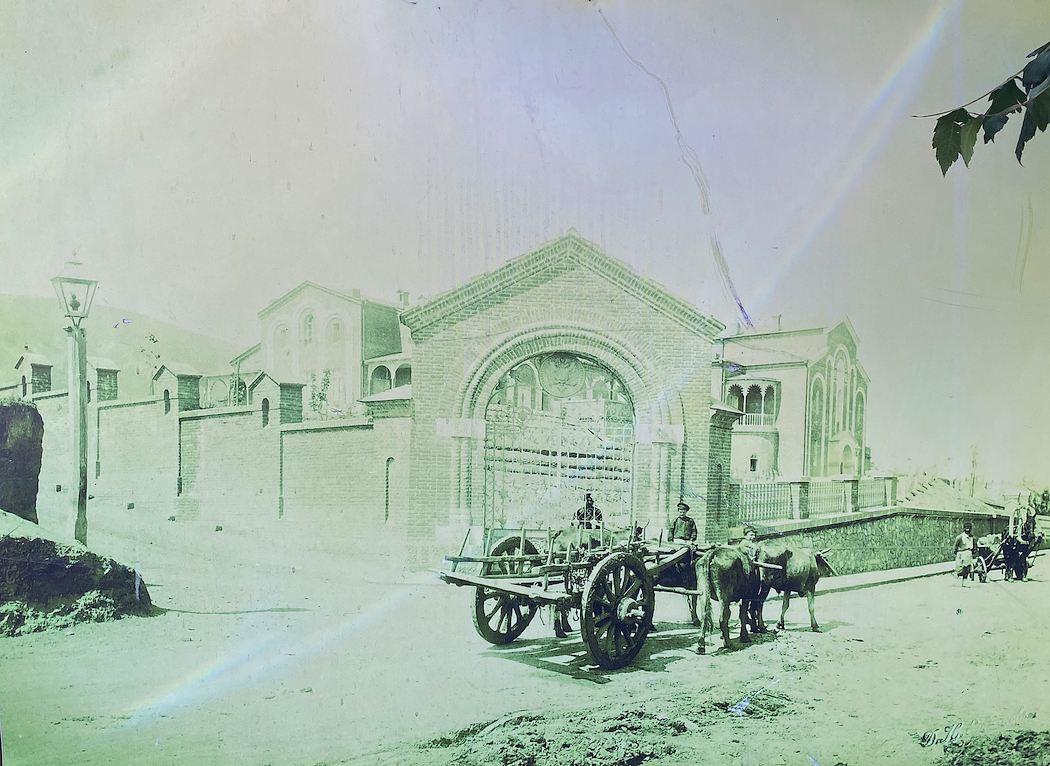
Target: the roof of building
pixel 549 262
pixel 393 394
pixel 753 349
pixel 30 358
pixel 299 290
pixel 177 370
pixel 102 363
pixel 246 355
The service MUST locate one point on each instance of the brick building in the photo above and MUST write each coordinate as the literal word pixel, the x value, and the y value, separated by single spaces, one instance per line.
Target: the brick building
pixel 562 373
pixel 314 330
pixel 804 396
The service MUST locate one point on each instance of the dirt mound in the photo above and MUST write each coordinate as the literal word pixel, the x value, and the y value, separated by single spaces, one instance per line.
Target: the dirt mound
pixel 613 737
pixel 46 585
pixel 1025 748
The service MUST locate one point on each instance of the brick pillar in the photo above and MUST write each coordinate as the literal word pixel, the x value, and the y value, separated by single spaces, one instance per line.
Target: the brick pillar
pixel 854 495
pixel 718 516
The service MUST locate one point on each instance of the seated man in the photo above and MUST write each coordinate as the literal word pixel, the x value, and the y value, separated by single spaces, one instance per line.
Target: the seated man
pixel 587 517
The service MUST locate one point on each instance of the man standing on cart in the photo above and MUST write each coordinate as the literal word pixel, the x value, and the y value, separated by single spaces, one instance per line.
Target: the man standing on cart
pixel 683 528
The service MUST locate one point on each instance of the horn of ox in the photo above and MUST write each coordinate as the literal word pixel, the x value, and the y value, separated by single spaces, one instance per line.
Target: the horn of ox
pixel 764 565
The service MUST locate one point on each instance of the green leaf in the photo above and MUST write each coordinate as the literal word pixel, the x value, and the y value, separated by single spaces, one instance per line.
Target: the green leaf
pixel 1002 99
pixel 969 138
pixel 947 137
pixel 1040 109
pixel 1027 132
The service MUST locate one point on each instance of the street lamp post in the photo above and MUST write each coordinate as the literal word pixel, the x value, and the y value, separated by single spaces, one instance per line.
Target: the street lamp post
pixel 76 295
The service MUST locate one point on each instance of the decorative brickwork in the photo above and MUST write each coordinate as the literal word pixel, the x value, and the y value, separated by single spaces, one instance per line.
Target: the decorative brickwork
pixel 569 298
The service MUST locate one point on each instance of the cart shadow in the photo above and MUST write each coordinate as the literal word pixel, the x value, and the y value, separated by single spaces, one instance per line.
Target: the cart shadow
pixel 803 627
pixel 735 644
pixel 569 656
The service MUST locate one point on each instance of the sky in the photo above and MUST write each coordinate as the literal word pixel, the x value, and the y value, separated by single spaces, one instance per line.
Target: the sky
pixel 201 160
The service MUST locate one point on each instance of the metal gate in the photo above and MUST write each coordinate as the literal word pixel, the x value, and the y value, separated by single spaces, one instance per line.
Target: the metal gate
pixel 540 464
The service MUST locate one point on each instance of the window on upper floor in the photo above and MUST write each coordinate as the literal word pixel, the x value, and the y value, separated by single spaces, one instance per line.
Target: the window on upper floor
pixel 754 463
pixel 308 329
pixel 403 376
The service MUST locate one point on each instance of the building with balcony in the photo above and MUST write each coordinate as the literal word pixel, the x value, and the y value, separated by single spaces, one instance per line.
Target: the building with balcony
pixel 324 339
pixel 804 397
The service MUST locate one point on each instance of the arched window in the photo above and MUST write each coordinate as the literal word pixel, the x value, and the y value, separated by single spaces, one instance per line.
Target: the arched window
pixel 769 405
pixel 265 412
pixel 753 465
pixel 280 337
pixel 753 402
pixel 858 419
pixel 87 383
pixel 335 331
pixel 25 388
pixel 308 329
pixel 816 429
pixel 219 392
pixel 735 397
pixel 527 391
pixel 403 376
pixel 167 402
pixel 841 382
pixel 380 380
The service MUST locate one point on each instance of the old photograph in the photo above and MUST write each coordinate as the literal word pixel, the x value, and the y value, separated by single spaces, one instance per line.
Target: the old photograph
pixel 569 382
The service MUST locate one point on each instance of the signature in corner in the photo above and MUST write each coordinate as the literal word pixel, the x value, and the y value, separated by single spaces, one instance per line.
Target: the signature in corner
pixel 949 734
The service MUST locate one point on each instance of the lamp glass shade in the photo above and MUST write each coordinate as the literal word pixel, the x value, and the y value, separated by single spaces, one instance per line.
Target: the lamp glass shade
pixel 76 295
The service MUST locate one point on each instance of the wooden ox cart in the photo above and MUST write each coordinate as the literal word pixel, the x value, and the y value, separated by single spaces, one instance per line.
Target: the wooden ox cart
pixel 608 579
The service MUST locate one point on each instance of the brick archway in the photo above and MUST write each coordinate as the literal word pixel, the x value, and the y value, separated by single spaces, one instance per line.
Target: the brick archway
pixel 656 474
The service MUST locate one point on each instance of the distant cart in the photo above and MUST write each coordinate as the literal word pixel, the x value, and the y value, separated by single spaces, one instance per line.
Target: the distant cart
pixel 607 578
pixel 990 556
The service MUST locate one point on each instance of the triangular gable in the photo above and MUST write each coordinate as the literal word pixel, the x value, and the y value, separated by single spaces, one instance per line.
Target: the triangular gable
pixel 178 370
pixel 259 379
pixel 297 291
pixel 38 359
pixel 549 262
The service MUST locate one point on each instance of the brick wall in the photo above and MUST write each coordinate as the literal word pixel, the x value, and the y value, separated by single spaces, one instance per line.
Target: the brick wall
pixel 229 465
pixel 133 448
pixel 348 481
pixel 881 540
pixel 56 468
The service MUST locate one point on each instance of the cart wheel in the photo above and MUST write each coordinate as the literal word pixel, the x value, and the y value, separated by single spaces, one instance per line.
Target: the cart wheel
pixel 502 617
pixel 617 612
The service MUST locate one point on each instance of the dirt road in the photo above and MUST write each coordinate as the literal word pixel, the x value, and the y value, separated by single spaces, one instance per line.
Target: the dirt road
pixel 292 656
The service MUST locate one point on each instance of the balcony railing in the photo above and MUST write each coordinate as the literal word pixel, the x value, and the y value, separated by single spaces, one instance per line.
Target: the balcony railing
pixel 758 419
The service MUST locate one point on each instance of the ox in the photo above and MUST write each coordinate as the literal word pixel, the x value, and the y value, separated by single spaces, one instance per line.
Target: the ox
pixel 795 570
pixel 1016 551
pixel 724 574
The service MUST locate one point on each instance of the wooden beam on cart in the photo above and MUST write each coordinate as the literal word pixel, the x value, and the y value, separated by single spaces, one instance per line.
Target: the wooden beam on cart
pixel 532 591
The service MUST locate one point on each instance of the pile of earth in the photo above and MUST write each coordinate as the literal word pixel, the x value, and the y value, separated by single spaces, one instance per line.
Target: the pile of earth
pixel 1024 748
pixel 46 585
pixel 605 737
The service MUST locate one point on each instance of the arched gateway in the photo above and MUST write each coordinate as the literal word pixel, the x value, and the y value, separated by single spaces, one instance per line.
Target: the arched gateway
pixel 557 427
pixel 560 374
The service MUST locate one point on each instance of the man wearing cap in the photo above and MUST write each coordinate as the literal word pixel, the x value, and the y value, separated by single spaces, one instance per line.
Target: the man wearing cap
pixel 683 528
pixel 964 548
